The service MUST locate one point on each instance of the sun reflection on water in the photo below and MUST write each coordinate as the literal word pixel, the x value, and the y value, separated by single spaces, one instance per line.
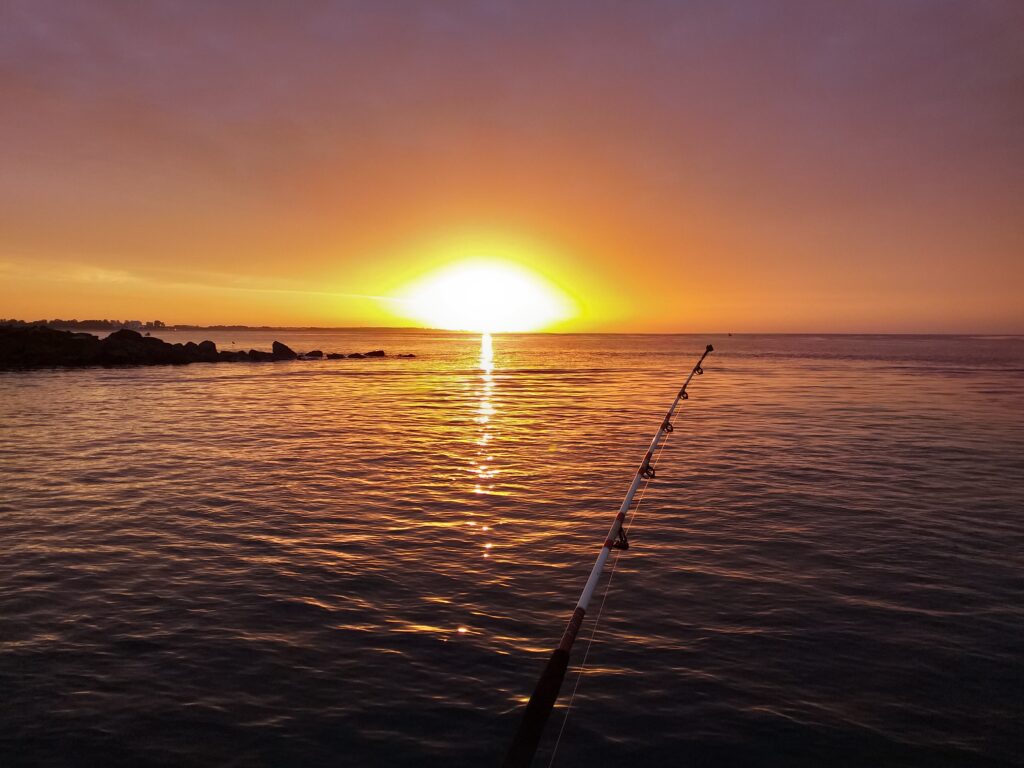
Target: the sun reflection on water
pixel 486 353
pixel 483 468
pixel 485 410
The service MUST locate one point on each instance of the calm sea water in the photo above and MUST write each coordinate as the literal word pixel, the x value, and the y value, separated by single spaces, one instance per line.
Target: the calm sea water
pixel 368 562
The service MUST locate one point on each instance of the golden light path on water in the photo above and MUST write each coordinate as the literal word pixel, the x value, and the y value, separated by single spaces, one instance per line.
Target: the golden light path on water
pixel 485 412
pixel 482 467
pixel 484 470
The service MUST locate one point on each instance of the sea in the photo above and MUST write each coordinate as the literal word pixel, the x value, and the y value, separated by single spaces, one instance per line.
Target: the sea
pixel 368 562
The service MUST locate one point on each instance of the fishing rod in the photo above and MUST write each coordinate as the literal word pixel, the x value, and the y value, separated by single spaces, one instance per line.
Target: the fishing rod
pixel 531 727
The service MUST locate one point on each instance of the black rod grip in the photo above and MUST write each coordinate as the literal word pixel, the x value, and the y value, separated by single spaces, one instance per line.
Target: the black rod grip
pixel 531 727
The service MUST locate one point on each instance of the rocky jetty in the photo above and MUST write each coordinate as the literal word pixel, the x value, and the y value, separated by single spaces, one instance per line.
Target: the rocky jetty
pixel 37 346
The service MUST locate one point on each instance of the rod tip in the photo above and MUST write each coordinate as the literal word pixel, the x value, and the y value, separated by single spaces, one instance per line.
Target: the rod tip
pixel 710 348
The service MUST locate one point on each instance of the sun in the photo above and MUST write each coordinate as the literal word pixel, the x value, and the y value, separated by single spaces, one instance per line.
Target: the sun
pixel 485 296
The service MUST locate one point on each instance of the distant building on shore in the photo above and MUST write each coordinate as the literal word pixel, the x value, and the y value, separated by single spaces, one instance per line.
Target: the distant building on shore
pixel 89 325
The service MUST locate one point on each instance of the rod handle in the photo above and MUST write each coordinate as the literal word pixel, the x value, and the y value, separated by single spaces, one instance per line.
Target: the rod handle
pixel 531 727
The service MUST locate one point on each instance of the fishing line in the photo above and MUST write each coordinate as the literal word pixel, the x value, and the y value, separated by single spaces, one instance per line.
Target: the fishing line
pixel 535 715
pixel 600 612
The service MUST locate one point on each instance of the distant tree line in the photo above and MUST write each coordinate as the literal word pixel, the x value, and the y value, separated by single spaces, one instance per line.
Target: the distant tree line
pixel 88 325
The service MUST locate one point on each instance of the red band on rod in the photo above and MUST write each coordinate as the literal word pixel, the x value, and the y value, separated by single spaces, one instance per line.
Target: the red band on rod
pixel 569 636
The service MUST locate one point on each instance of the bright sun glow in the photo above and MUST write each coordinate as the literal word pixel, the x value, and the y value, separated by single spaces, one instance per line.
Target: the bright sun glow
pixel 486 296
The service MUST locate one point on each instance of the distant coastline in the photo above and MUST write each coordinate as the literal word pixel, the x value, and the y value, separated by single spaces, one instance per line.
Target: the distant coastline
pixel 152 325
pixel 135 325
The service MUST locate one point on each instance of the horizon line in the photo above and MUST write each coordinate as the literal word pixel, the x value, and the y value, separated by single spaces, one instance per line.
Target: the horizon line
pixel 416 328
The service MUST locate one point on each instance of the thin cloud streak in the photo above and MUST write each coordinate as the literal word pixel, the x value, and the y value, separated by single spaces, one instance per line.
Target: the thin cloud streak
pixel 81 273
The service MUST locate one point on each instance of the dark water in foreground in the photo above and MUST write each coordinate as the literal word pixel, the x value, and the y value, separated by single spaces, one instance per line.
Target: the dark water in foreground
pixel 367 562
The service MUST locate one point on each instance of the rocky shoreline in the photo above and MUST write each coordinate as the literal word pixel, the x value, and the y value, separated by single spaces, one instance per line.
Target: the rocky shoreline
pixel 38 346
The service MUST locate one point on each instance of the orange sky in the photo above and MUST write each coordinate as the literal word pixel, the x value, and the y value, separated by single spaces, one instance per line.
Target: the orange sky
pixel 672 167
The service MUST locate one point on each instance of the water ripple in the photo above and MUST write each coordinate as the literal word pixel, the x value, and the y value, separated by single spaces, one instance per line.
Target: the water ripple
pixel 366 563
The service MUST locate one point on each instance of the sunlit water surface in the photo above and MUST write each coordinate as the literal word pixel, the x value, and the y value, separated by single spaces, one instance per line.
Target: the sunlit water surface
pixel 367 562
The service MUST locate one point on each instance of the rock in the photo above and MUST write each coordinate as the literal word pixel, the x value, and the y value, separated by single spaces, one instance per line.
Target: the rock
pixel 126 347
pixel 375 353
pixel 36 346
pixel 316 354
pixel 356 356
pixel 335 356
pixel 208 352
pixel 407 355
pixel 125 334
pixel 256 356
pixel 283 352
